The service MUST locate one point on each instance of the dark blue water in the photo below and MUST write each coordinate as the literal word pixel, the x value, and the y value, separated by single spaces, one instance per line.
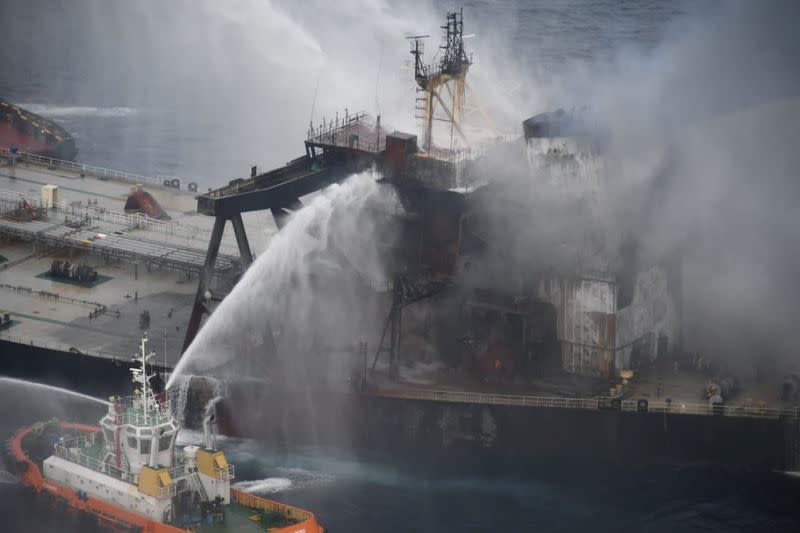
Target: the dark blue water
pixel 581 495
pixel 203 89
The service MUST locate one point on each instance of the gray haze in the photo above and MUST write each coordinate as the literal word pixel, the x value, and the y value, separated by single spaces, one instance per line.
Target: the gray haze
pixel 702 132
pixel 201 89
pixel 699 104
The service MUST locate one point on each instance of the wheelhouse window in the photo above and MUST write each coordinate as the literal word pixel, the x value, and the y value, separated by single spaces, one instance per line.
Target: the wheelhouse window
pixel 164 442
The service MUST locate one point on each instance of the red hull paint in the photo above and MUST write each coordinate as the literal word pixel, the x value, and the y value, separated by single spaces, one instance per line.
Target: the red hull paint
pixel 10 136
pixel 34 134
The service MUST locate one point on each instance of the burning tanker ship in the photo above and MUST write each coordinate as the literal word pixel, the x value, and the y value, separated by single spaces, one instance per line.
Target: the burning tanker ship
pixel 586 345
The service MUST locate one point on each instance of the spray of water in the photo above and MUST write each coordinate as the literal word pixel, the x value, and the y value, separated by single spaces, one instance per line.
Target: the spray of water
pixel 41 387
pixel 179 395
pixel 55 111
pixel 273 305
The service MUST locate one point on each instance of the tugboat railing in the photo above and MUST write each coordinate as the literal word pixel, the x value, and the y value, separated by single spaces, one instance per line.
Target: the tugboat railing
pixel 225 474
pixel 251 501
pixel 72 450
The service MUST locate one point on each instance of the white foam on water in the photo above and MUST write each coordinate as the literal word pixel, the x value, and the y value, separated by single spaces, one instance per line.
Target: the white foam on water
pixel 269 485
pixel 302 478
pixel 78 111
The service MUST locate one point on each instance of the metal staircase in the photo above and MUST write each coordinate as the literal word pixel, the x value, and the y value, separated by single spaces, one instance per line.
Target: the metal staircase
pixel 197 485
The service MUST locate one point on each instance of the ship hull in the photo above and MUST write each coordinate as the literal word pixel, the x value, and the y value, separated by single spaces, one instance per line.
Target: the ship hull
pixel 30 133
pixel 108 517
pixel 442 434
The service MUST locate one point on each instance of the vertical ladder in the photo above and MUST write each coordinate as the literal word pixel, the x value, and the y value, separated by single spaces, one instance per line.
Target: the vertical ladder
pixel 197 486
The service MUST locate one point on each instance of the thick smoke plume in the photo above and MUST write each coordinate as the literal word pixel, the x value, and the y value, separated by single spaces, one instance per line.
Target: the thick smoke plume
pixel 699 139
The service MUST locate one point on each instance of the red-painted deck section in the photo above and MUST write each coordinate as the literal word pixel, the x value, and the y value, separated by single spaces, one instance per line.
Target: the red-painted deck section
pixel 34 134
pixel 10 136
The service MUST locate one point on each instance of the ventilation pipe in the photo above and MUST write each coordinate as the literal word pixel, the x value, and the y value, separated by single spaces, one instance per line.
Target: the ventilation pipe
pixel 154 441
pixel 208 424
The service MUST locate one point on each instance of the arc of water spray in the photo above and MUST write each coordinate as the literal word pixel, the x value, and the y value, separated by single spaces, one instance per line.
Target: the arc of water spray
pixel 52 388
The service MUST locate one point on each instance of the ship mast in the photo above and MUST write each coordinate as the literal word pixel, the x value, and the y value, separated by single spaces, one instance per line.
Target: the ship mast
pixel 144 391
pixel 442 86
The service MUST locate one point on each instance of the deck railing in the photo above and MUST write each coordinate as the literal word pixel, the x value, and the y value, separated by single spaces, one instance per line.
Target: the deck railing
pixel 596 403
pixel 9 200
pixel 251 501
pixel 72 450
pixel 52 162
pixel 37 342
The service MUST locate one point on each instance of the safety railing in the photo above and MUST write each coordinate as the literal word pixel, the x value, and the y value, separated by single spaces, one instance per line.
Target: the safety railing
pixel 72 166
pixel 707 409
pixel 137 417
pixel 596 403
pixel 224 474
pixel 328 129
pixel 37 342
pixel 72 450
pixel 9 200
pixel 251 501
pixel 492 399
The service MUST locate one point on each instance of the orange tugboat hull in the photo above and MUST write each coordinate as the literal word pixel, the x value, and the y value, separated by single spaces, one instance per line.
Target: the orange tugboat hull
pixel 115 518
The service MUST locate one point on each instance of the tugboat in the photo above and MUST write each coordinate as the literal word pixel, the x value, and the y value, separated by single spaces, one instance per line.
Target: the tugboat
pixel 127 475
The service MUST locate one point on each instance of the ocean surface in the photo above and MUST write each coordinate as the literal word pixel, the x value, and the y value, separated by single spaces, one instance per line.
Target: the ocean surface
pixel 202 89
pixel 375 495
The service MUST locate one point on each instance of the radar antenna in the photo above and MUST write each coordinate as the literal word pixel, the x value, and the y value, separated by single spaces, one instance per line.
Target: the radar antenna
pixel 442 86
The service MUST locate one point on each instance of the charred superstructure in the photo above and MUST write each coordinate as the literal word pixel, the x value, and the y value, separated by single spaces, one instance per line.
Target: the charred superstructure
pixel 334 150
pixel 448 75
pixel 490 306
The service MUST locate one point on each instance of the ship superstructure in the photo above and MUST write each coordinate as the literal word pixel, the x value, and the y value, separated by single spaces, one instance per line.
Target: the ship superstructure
pixel 128 472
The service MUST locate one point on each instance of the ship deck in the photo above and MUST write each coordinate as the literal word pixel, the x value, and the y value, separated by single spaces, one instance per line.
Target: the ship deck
pixel 102 319
pixel 142 267
pixel 679 391
pixel 239 518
